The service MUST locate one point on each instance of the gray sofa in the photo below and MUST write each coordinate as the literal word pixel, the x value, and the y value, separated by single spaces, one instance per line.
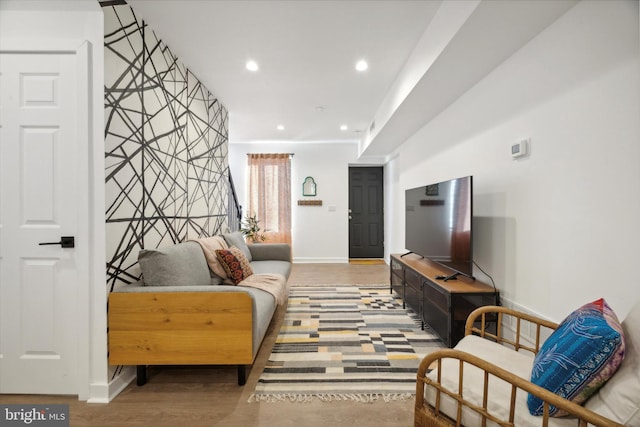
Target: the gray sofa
pixel 186 311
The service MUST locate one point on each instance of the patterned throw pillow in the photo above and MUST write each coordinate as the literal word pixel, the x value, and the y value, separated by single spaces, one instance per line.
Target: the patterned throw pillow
pixel 579 357
pixel 234 263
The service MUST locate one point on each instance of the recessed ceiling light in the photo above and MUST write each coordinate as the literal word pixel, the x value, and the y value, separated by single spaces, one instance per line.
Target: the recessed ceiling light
pixel 362 65
pixel 344 127
pixel 280 127
pixel 252 66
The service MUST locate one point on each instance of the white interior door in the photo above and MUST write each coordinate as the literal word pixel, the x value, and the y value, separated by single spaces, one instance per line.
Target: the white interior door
pixel 38 204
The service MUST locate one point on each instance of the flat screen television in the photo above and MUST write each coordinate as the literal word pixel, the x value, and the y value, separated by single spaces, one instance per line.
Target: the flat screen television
pixel 438 224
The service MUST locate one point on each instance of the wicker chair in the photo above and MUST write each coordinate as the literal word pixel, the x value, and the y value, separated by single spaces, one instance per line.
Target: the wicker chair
pixel 439 405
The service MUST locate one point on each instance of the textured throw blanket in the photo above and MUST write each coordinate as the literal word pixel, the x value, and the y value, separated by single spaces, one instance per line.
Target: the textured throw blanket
pixel 209 246
pixel 275 284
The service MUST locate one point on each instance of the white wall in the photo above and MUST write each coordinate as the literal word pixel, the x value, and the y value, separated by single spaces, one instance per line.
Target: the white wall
pixel 561 227
pixel 318 233
pixel 49 24
pixel 393 208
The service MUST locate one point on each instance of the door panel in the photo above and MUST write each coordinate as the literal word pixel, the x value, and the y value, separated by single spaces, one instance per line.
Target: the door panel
pixel 37 149
pixel 366 219
pixel 38 204
pixel 374 232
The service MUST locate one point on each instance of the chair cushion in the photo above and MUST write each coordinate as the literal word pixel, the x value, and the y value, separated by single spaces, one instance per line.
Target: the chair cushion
pixel 234 263
pixel 182 264
pixel 619 398
pixel 580 355
pixel 516 362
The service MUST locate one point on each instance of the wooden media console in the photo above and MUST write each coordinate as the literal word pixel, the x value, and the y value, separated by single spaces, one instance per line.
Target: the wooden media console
pixel 444 306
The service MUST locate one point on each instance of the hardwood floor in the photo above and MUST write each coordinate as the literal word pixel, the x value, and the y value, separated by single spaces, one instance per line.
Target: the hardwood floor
pixel 354 274
pixel 210 396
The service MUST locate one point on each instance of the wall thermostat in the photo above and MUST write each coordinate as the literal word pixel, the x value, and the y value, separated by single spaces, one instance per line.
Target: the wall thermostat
pixel 520 149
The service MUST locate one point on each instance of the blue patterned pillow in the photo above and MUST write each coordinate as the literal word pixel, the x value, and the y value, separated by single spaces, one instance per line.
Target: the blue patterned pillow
pixel 579 357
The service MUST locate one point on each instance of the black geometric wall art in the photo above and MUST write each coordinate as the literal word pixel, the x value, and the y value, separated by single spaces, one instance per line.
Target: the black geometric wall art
pixel 166 139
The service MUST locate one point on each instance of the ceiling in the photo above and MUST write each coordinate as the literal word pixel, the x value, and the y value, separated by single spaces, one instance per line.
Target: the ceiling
pixel 306 51
pixel 422 56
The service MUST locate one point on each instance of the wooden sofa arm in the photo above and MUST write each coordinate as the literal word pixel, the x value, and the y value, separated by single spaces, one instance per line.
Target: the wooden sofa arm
pixel 427 415
pixel 478 320
pixel 180 328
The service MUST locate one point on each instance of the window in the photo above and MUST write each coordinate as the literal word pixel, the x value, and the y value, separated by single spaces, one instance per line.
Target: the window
pixel 270 194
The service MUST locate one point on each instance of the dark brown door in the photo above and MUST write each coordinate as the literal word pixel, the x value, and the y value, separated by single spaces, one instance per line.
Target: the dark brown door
pixel 366 220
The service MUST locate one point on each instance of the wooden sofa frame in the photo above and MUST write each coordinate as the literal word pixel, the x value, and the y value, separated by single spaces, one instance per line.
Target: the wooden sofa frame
pixel 181 328
pixel 428 415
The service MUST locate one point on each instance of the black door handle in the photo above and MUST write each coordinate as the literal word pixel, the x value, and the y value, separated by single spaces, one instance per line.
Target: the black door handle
pixel 65 242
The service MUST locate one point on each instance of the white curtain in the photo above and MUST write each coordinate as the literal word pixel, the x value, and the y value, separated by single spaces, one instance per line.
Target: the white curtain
pixel 270 194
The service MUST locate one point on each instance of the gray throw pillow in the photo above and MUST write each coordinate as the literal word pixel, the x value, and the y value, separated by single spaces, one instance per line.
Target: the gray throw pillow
pixel 237 239
pixel 178 265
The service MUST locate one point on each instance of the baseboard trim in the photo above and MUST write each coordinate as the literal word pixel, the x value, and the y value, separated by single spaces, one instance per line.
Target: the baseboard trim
pixel 98 393
pixel 309 260
pixel 528 333
pixel 119 383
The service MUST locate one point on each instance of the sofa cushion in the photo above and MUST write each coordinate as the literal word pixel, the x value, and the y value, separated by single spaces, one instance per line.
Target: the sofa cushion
pixel 619 398
pixel 234 263
pixel 237 239
pixel 580 355
pixel 182 264
pixel 264 308
pixel 271 267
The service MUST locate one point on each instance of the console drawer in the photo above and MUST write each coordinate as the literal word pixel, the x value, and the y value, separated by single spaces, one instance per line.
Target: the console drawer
pixel 444 306
pixel 413 291
pixel 438 298
pixel 435 311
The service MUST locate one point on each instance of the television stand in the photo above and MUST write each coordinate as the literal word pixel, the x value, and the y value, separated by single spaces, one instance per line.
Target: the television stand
pixel 443 305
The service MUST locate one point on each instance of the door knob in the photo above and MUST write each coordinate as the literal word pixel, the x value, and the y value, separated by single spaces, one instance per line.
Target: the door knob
pixel 65 242
pixel 349 216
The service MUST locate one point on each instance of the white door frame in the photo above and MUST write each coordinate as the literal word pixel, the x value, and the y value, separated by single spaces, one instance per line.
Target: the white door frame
pixel 82 52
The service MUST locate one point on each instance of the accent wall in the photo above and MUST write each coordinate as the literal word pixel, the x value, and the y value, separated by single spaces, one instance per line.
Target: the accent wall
pixel 166 137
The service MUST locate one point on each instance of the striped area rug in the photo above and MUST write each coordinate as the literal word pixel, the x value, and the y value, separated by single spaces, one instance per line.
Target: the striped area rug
pixel 345 343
